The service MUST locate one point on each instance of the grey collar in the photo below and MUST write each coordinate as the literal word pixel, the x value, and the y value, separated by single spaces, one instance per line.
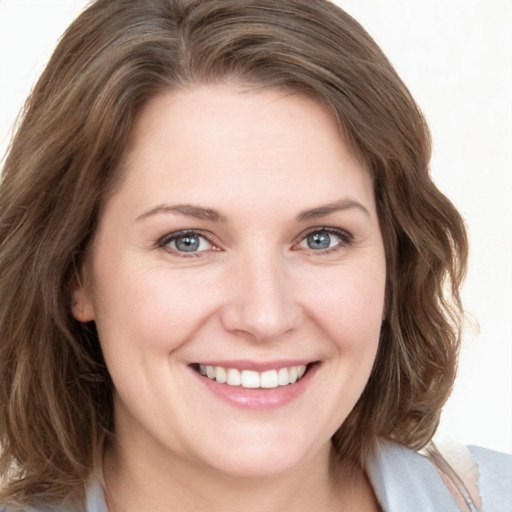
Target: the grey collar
pixel 402 479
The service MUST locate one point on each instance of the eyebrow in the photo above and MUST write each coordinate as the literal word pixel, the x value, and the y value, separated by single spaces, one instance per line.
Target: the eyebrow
pixel 328 209
pixel 209 214
pixel 196 212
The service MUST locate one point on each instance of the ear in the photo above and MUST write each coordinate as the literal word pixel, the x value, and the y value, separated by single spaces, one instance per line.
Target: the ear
pixel 81 306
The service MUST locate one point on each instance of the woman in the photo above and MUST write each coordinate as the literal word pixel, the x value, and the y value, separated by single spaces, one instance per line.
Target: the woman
pixel 226 275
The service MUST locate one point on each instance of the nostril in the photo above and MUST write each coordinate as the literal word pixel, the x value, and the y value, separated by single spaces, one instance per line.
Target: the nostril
pixel 260 323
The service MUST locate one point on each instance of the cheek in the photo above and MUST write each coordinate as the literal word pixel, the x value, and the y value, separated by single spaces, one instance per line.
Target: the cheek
pixel 350 306
pixel 151 310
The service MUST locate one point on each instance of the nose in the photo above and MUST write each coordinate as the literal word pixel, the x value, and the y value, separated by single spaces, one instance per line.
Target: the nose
pixel 261 303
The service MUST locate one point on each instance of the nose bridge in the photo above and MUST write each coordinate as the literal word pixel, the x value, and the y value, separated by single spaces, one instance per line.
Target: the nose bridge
pixel 261 302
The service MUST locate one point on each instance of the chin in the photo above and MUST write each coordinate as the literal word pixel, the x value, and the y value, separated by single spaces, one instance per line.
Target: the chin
pixel 260 456
pixel 259 466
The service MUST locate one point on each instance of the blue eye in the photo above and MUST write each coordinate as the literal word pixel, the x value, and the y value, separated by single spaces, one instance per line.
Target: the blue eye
pixel 319 241
pixel 325 239
pixel 186 242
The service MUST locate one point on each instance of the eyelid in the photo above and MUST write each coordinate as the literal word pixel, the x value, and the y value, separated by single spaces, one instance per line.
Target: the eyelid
pixel 164 241
pixel 346 237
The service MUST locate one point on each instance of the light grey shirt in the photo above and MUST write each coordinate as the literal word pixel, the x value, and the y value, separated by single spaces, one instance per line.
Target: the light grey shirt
pixel 403 480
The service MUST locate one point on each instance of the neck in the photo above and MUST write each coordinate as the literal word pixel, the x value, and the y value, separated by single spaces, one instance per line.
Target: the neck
pixel 134 483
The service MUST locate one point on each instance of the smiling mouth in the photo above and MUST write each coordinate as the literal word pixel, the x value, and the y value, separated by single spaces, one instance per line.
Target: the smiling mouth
pixel 250 379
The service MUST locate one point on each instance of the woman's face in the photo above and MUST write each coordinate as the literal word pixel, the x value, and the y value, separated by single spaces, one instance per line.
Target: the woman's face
pixel 243 243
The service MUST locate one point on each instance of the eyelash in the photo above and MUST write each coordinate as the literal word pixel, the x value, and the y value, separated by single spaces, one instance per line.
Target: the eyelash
pixel 346 240
pixel 164 241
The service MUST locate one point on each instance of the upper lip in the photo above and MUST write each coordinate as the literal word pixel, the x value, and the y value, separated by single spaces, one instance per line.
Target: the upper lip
pixel 257 366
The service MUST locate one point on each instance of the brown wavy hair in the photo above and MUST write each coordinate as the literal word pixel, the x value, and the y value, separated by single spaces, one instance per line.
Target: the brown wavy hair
pixel 56 397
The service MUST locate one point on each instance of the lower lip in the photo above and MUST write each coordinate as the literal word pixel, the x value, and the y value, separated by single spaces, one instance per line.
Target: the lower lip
pixel 260 398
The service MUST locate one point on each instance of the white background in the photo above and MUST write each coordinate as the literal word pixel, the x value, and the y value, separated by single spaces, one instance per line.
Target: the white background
pixel 456 57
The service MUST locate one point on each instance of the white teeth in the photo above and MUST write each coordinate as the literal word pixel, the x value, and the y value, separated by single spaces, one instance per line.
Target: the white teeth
pixel 252 379
pixel 269 379
pixel 283 377
pixel 234 377
pixel 220 374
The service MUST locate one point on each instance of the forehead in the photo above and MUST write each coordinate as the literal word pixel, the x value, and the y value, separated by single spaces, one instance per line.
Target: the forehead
pixel 210 142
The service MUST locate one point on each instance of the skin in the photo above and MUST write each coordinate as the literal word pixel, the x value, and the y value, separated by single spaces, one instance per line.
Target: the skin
pixel 255 290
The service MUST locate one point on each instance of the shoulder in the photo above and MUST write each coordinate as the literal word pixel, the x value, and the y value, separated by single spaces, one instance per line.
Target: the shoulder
pixel 402 478
pixel 94 501
pixel 498 464
pixel 40 507
pixel 13 507
pixel 495 478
